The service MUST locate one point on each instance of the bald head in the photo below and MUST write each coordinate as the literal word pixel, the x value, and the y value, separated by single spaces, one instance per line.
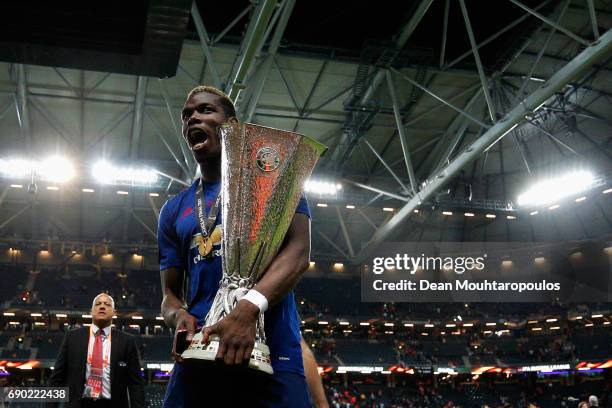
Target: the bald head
pixel 102 310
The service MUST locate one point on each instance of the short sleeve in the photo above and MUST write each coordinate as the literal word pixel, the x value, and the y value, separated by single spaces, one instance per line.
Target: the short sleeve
pixel 168 243
pixel 302 207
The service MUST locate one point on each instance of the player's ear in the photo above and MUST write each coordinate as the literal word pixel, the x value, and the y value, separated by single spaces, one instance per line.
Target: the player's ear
pixel 232 120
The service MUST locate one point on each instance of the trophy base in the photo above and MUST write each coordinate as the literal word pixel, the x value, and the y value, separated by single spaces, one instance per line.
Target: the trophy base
pixel 260 356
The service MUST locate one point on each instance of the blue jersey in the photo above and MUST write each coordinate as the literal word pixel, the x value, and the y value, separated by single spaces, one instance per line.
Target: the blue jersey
pixel 178 237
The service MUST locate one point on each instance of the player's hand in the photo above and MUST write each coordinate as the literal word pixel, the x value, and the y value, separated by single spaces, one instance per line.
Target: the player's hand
pixel 236 333
pixel 185 323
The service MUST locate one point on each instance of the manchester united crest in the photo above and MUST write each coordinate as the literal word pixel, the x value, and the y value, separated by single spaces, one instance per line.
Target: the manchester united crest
pixel 268 159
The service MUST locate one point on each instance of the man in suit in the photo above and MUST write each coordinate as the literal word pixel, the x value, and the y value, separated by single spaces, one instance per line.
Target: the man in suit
pixel 100 365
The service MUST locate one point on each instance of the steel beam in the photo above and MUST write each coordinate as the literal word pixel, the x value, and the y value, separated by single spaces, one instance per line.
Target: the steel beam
pixel 365 217
pixel 384 163
pixel 231 25
pixel 144 224
pixel 495 35
pixel 139 101
pixel 444 32
pixel 519 93
pixel 345 233
pixel 250 44
pixel 481 74
pixel 7 107
pixel 443 149
pixel 22 105
pixel 165 142
pixel 177 180
pixel 401 132
pixel 593 18
pixel 551 23
pixel 376 190
pixel 154 207
pixel 15 216
pixel 333 244
pixel 440 99
pixel 264 70
pixel 379 75
pixel 205 43
pixel 576 67
pixel 175 127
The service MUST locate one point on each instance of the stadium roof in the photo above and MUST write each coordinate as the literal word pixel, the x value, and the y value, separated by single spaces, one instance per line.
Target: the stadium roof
pixel 324 69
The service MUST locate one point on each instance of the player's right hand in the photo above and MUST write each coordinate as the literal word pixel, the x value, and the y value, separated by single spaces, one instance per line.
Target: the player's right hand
pixel 186 326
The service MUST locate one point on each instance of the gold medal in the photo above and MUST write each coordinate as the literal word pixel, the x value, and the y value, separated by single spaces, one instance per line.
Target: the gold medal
pixel 202 246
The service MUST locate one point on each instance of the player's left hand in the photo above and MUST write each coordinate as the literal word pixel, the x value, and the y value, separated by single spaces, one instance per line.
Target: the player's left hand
pixel 236 333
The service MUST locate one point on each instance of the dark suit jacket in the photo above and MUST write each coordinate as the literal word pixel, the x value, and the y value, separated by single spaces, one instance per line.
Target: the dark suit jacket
pixel 125 370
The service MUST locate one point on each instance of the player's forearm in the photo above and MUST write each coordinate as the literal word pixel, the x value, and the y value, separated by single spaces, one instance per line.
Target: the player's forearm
pixel 170 308
pixel 289 264
pixel 284 272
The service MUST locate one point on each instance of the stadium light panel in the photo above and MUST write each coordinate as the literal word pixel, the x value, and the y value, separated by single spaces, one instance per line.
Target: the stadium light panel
pixel 87 190
pixel 344 323
pixel 491 216
pixel 595 316
pixel 153 194
pixel 350 206
pixel 136 317
pixel 55 168
pixel 107 173
pixel 554 207
pixel 58 315
pixel 364 324
pixel 86 316
pixel 534 213
pixel 323 205
pixel 322 187
pixel 468 214
pixel 429 325
pixel 549 191
pixel 588 325
pixel 607 191
pixel 389 324
pixel 468 324
pixel 16 185
pixel 8 314
pixel 579 199
pixel 52 188
pixel 388 209
pixel 35 314
pixel 511 217
pixel 447 213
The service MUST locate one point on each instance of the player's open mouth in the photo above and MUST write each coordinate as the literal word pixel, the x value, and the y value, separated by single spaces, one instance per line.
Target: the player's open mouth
pixel 197 138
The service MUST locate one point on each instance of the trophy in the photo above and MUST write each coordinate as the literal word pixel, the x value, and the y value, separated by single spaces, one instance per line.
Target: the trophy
pixel 262 174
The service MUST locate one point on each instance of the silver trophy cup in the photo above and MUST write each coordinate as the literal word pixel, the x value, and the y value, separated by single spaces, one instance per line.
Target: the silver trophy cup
pixel 263 171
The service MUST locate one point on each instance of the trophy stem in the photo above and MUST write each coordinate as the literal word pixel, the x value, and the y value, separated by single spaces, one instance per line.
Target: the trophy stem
pixel 231 290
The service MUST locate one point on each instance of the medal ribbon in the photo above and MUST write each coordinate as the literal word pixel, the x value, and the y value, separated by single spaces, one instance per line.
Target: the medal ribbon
pixel 206 223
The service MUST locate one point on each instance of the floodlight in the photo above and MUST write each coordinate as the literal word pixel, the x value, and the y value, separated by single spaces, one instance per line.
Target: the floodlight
pixel 108 173
pixel 322 187
pixel 55 168
pixel 550 191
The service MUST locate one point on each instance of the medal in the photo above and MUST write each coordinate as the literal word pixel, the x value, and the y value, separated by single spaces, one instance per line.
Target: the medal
pixel 202 247
pixel 206 224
